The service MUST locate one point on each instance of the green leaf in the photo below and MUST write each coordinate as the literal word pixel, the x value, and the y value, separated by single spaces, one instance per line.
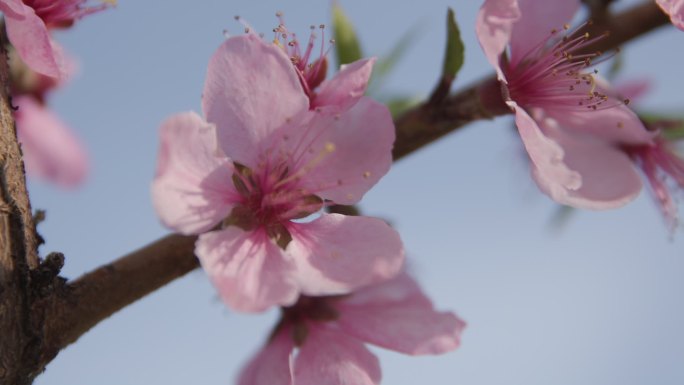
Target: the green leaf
pixel 671 125
pixel 616 65
pixel 674 134
pixel 453 59
pixel 347 47
pixel 386 63
pixel 399 105
pixel 561 218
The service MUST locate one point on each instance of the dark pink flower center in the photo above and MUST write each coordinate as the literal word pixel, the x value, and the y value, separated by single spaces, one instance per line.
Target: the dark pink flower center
pixel 273 195
pixel 269 199
pixel 63 13
pixel 306 311
pixel 311 72
pixel 553 73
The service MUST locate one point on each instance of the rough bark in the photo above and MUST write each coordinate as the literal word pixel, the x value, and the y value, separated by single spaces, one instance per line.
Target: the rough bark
pixel 19 341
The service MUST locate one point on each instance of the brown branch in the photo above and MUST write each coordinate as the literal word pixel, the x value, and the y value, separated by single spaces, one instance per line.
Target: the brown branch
pixel 626 26
pixel 18 340
pixel 83 303
pixel 98 294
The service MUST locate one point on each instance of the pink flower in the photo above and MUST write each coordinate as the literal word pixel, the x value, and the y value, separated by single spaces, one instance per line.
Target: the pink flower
pixel 264 160
pixel 571 124
pixel 51 150
pixel 28 25
pixel 321 340
pixel 664 169
pixel 674 9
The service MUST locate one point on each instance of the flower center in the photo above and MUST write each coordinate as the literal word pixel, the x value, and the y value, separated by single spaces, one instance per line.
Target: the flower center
pixel 311 72
pixel 270 198
pixel 305 311
pixel 554 73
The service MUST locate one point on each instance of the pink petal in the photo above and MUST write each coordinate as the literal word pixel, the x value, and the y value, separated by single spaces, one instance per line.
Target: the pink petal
pixel 634 89
pixel 336 254
pixel 552 173
pixel 251 90
pixel 609 179
pixel 397 315
pixel 660 192
pixel 31 39
pixel 50 148
pixel 13 8
pixel 347 153
pixel 494 27
pixel 192 190
pixel 347 87
pixel 675 9
pixel 537 20
pixel 617 124
pixel 332 358
pixel 249 271
pixel 271 366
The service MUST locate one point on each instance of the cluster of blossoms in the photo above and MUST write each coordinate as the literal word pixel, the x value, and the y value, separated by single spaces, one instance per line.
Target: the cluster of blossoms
pixel 38 65
pixel 277 145
pixel 580 135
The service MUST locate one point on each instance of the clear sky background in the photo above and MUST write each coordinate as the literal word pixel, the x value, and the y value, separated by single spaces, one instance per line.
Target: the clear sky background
pixel 596 301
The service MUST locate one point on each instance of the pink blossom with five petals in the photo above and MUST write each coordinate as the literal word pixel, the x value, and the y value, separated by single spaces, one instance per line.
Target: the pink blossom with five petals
pixel 265 158
pixel 572 125
pixel 321 340
pixel 28 23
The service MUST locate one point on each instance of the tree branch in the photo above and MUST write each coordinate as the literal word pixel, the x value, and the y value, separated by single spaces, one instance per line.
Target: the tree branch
pixel 83 303
pixel 18 340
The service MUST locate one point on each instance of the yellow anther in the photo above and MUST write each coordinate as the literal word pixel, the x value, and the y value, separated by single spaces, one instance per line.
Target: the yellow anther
pixel 367 174
pixel 330 147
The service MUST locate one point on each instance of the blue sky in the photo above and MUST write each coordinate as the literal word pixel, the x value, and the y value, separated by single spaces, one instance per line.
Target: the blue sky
pixel 597 301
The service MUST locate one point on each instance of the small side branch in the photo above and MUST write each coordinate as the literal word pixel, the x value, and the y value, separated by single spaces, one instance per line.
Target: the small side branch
pixel 81 304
